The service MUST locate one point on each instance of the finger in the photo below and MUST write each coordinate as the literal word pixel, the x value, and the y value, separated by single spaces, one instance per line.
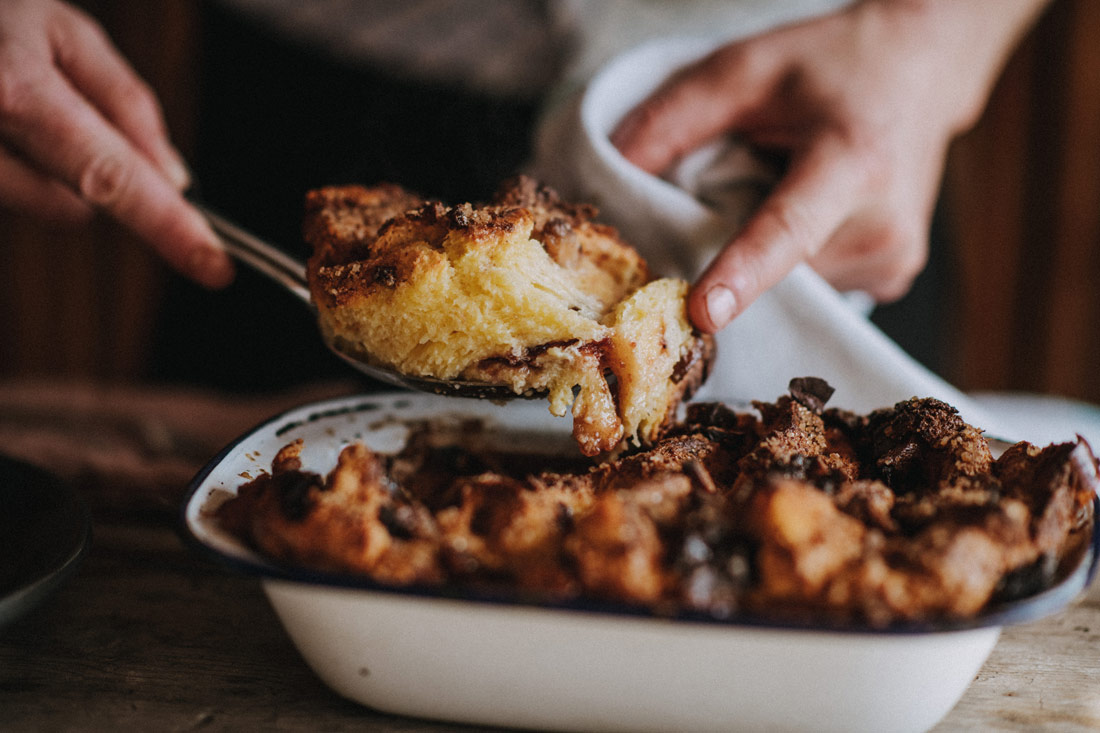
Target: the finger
pixel 694 106
pixel 811 202
pixel 878 255
pixel 29 191
pixel 66 137
pixel 84 53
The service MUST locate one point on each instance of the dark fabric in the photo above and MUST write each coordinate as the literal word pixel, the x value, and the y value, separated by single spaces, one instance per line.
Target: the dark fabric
pixel 276 120
pixel 923 320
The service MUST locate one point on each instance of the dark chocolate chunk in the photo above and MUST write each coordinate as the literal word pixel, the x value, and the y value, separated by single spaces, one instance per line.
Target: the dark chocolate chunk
pixel 811 392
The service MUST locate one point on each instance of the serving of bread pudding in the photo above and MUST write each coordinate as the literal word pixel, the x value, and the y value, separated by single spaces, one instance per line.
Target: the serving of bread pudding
pixel 786 510
pixel 525 291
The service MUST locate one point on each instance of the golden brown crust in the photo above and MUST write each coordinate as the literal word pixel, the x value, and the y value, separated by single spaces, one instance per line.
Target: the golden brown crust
pixel 792 514
pixel 341 222
pixel 351 224
pixel 525 291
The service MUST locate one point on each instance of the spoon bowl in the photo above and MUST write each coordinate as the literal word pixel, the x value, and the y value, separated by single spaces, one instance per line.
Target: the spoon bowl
pixel 288 272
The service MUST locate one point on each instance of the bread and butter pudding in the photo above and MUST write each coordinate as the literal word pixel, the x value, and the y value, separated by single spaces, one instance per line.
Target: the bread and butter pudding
pixel 788 511
pixel 525 291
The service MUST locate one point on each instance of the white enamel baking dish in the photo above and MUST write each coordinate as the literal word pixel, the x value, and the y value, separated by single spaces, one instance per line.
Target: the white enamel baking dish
pixel 581 666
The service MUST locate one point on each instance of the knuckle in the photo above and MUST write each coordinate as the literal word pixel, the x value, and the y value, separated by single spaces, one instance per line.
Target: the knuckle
pixel 745 59
pixel 17 89
pixel 76 27
pixel 790 223
pixel 884 244
pixel 727 60
pixel 136 96
pixel 656 119
pixel 648 115
pixel 652 142
pixel 105 179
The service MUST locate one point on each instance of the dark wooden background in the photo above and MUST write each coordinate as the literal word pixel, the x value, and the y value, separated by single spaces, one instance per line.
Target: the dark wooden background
pixel 82 304
pixel 1022 195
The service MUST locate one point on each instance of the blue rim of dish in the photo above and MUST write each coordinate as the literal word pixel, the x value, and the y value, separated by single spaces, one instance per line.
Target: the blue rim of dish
pixel 1017 611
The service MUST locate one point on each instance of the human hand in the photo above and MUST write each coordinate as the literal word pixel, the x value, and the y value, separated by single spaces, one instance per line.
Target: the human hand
pixel 80 132
pixel 863 105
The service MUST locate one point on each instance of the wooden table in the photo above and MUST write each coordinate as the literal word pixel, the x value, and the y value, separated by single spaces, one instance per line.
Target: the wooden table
pixel 148 636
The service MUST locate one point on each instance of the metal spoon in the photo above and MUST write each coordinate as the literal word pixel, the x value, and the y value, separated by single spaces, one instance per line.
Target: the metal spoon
pixel 272 262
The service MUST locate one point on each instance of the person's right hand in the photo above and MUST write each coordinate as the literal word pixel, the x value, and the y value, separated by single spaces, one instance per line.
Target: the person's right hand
pixel 862 104
pixel 80 132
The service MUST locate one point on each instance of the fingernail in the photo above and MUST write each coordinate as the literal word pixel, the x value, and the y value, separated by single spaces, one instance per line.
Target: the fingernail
pixel 721 306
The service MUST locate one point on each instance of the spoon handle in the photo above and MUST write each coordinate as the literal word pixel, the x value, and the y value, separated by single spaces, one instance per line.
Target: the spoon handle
pixel 261 256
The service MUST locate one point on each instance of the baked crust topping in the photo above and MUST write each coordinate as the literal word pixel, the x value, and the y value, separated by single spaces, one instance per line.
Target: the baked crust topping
pixel 525 291
pixel 794 512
